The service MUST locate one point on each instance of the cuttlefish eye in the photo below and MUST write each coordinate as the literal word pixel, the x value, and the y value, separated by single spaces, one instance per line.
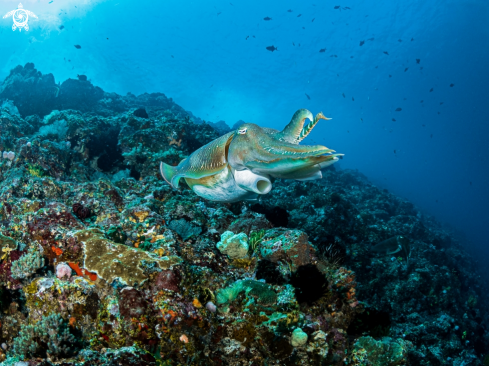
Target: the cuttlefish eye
pixel 242 131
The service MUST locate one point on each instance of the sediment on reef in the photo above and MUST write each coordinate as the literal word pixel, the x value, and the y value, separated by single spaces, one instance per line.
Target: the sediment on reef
pixel 103 262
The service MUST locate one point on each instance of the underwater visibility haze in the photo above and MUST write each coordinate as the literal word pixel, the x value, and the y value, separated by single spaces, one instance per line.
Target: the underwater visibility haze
pixel 168 194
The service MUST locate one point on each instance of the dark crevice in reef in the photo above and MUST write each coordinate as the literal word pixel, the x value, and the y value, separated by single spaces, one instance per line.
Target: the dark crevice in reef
pixel 105 147
pixel 277 216
pixel 309 283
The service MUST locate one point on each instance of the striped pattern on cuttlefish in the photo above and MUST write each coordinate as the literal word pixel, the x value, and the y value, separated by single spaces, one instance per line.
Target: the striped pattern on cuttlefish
pixel 238 165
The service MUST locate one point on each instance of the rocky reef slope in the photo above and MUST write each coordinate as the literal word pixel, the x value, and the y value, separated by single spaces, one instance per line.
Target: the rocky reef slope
pixel 102 263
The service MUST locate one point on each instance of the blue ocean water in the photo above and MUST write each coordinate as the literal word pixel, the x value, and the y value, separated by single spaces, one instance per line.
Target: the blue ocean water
pixel 406 82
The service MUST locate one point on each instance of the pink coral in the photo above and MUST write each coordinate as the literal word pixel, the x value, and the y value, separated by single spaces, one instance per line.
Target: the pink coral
pixel 62 270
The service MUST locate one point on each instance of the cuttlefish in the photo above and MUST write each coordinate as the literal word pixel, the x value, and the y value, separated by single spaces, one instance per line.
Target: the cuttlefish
pixel 238 165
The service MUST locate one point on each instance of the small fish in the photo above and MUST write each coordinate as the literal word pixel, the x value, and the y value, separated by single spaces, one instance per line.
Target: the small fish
pixel 293 44
pixel 418 60
pixel 333 56
pixel 387 53
pixel 218 13
pixel 247 38
pixel 289 11
pixel 377 66
pixel 398 109
pixel 299 15
pixel 267 18
pixel 308 97
pixel 352 99
pixel 406 69
pixel 346 8
pixel 77 46
pixel 441 103
pixel 399 40
pixel 361 119
pixel 370 39
pixel 172 56
pixel 452 85
pixel 412 39
pixel 422 101
pixel 343 95
pixel 394 151
pixel 322 50
pixel 431 135
pixel 312 20
pixel 390 76
pixel 431 90
pixel 337 7
pixel 362 43
pixel 393 120
pixel 61 27
pixel 272 48
pixel 303 28
pixel 393 245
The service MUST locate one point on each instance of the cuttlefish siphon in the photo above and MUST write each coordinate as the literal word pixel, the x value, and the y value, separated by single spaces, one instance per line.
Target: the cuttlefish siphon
pixel 238 165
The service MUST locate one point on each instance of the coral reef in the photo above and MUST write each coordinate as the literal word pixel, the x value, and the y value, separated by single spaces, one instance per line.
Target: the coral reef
pixel 103 263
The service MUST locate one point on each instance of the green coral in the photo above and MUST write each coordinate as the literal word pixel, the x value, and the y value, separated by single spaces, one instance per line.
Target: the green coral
pixel 262 292
pixel 35 170
pixel 385 352
pixel 28 264
pixel 255 238
pixel 48 338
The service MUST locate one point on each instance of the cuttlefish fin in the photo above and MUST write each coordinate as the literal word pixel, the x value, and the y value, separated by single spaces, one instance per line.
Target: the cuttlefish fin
pixel 308 128
pixel 169 172
pixel 210 159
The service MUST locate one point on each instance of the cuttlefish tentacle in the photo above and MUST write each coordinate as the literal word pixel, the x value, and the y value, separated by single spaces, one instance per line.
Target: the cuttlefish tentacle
pixel 308 128
pixel 292 131
pixel 239 165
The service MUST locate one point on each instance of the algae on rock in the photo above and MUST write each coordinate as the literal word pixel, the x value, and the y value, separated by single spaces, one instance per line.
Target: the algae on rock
pixel 118 262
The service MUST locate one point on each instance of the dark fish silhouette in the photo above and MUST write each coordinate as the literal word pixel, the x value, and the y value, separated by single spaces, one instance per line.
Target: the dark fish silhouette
pixel 441 103
pixel 406 69
pixel 82 77
pixel 418 60
pixel 267 18
pixel 390 76
pixel 299 15
pixel 322 50
pixel 353 99
pixel 412 39
pixel 393 245
pixel 431 90
pixel 346 8
pixel 452 85
pixel 312 20
pixel 333 56
pixel 77 46
pixel 362 43
pixel 393 120
pixel 289 11
pixel 398 109
pixel 308 97
pixel 422 101
pixel 370 39
pixel 272 48
pixel 337 7
pixel 343 95
pixel 387 53
pixel 247 38
pixel 61 27
pixel 399 40
pixel 394 151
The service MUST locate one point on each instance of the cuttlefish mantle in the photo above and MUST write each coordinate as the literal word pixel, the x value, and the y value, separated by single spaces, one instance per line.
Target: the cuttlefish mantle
pixel 238 165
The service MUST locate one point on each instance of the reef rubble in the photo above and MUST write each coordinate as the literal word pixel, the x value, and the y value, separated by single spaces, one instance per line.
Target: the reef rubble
pixel 103 263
